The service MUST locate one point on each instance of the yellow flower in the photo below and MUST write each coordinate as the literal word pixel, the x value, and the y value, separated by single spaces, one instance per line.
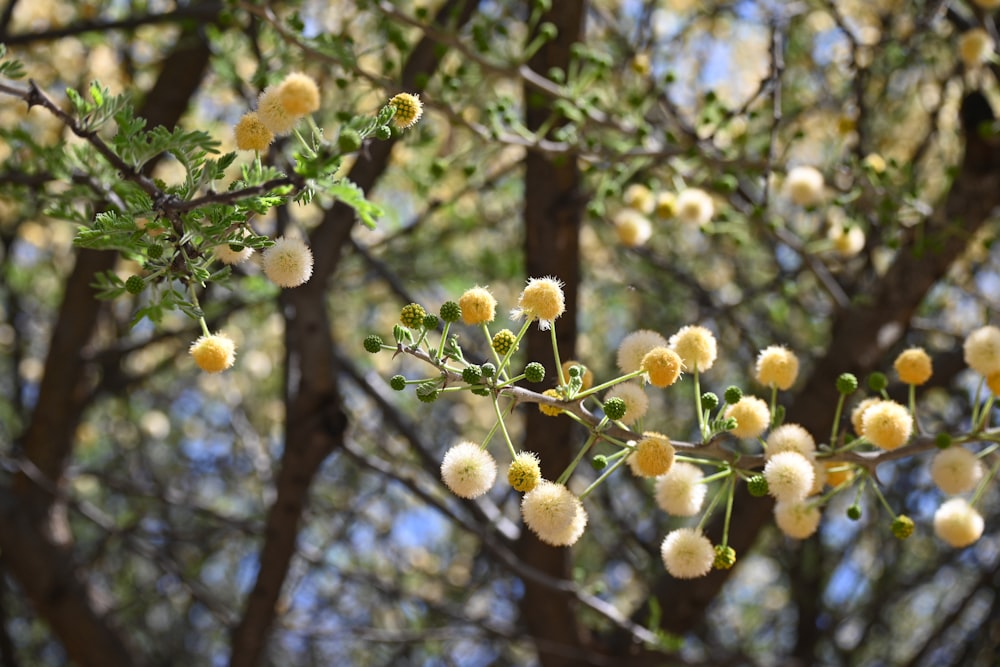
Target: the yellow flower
pixel 251 133
pixel 524 472
pixel 478 306
pixel 777 366
pixel 975 47
pixel 804 186
pixel 982 350
pixel 751 414
pixel 887 424
pixel 542 299
pixel 694 207
pixel 958 523
pixel 666 205
pixel 653 455
pixel 858 414
pixel 299 94
pixel 913 366
pixel 696 347
pixel 634 347
pixel 632 227
pixel 838 472
pixel 993 382
pixel 549 410
pixel 213 353
pixel 848 240
pixel 639 198
pixel 408 108
pixel 662 366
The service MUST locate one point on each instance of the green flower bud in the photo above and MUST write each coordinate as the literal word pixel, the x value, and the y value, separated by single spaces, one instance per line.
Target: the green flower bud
pixel 154 251
pixel 471 374
pixel 942 440
pixel 709 401
pixel 428 392
pixel 614 408
pixel 877 381
pixel 383 132
pixel 599 462
pixel 847 384
pixel 135 284
pixel 349 140
pixel 725 557
pixel 854 512
pixel 733 395
pixel 757 486
pixel 489 370
pixel 450 311
pixel 504 341
pixel 534 372
pixel 397 382
pixel 430 322
pixel 902 526
pixel 412 316
pixel 373 343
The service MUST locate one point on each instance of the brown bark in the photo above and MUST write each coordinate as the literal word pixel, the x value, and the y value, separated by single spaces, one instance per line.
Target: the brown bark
pixel 33 536
pixel 553 210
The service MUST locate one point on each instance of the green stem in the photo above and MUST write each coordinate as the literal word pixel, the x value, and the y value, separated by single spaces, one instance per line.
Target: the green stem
pixel 503 428
pixel 697 404
pixel 984 483
pixel 885 503
pixel 608 384
pixel 836 420
pixel 444 339
pixel 555 353
pixel 711 507
pixel 597 482
pixel 579 457
pixel 731 485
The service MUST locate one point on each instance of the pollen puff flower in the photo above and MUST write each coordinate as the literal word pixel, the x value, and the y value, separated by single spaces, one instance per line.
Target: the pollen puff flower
pixel 687 553
pixel 789 475
pixel 634 347
pixel 639 198
pixel 408 108
pixel 887 424
pixel 848 240
pixel 913 366
pixel 542 299
pixel 280 107
pixel 251 134
pixel 680 492
pixel 696 346
pixel 554 514
pixel 751 414
pixel 975 47
pixel 524 472
pixel 790 438
pixel 653 455
pixel 662 366
pixel 468 470
pixel 804 186
pixel 797 518
pixel 227 255
pixel 213 353
pixel 636 401
pixel 632 227
pixel 694 207
pixel 956 470
pixel 777 366
pixel 288 263
pixel 478 306
pixel 982 350
pixel 858 414
pixel 958 523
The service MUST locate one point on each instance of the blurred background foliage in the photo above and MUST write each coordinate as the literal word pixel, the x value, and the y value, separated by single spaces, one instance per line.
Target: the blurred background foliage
pixel 171 472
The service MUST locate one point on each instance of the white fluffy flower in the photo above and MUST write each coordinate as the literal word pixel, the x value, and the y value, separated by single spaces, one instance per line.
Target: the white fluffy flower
pixel 687 554
pixel 956 470
pixel 789 476
pixel 632 227
pixel 227 255
pixel 288 263
pixel 848 241
pixel 958 523
pixel 636 401
pixel 696 346
pixel 804 186
pixel 635 346
pixel 798 518
pixel 468 470
pixel 790 438
pixel 982 350
pixel 553 513
pixel 680 492
pixel 694 206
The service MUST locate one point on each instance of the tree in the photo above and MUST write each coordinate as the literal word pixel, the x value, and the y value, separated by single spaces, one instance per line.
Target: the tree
pixel 816 175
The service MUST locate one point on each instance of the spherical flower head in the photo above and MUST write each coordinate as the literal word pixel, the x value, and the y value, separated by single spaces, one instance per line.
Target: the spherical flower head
pixel 662 366
pixel 251 134
pixel 789 476
pixel 725 557
pixel 665 206
pixel 958 523
pixel 956 470
pixel 804 186
pixel 213 353
pixel 913 366
pixel 225 254
pixel 524 472
pixel 982 350
pixel 654 455
pixel 636 401
pixel 751 414
pixel 298 94
pixel 696 346
pixel 412 316
pixel 887 424
pixel 468 470
pixel 680 491
pixel 632 227
pixel 837 473
pixel 272 112
pixel 790 438
pixel 687 553
pixel 554 514
pixel 848 240
pixel 639 198
pixel 858 414
pixel 504 341
pixel 635 346
pixel 548 409
pixel 587 376
pixel 288 263
pixel 478 306
pixel 975 47
pixel 694 207
pixel 543 300
pixel 902 527
pixel 777 366
pixel 408 108
pixel 797 519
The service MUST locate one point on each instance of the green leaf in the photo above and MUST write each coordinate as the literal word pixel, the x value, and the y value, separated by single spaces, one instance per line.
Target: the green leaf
pixel 353 196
